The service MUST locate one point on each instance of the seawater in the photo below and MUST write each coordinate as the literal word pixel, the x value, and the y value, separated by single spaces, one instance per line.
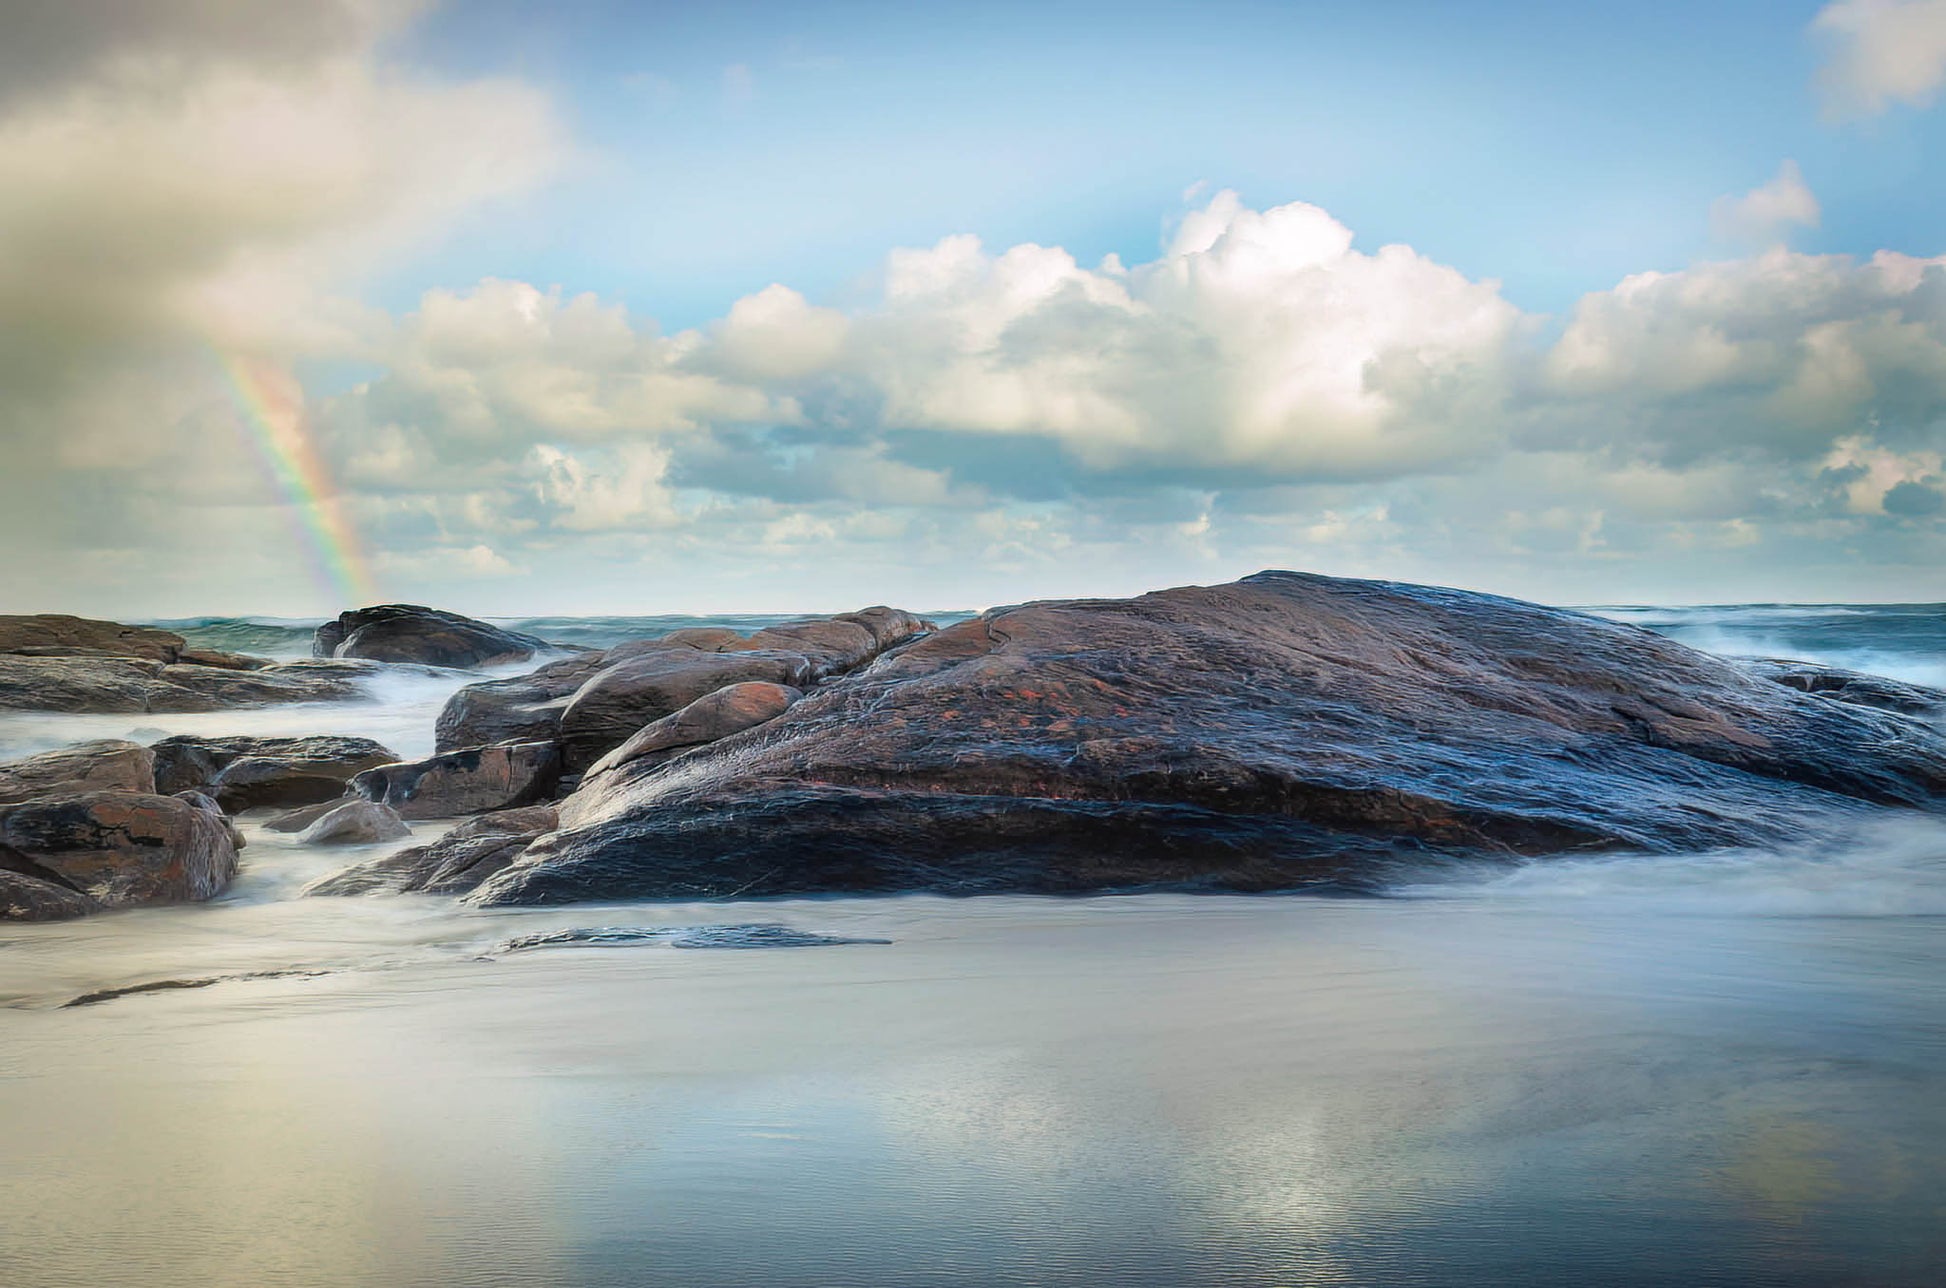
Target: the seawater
pixel 1724 1068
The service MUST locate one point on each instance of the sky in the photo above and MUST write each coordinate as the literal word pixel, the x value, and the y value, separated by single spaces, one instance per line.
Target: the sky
pixel 615 307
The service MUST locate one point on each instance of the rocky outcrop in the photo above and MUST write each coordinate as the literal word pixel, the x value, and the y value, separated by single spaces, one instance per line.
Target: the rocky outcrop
pixel 470 781
pixel 107 765
pixel 243 772
pixel 76 683
pixel 454 864
pixel 1856 687
pixel 1283 731
pixel 411 633
pixel 354 822
pixel 711 717
pixel 224 660
pixel 68 855
pixel 58 635
pixel 593 703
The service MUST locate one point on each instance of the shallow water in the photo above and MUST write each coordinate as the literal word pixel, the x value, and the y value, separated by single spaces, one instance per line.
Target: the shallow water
pixel 1712 1069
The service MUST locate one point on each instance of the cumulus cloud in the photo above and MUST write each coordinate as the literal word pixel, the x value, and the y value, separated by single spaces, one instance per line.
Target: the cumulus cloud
pixel 1881 52
pixel 1767 214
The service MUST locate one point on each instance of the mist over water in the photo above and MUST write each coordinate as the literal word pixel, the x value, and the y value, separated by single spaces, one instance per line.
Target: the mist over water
pixel 1713 1069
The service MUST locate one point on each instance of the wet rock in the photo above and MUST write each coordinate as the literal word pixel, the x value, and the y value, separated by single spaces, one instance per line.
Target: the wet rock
pixel 118 849
pixel 1283 731
pixel 521 708
pixel 107 765
pixel 32 898
pixel 58 635
pixel 728 710
pixel 454 864
pixel 223 660
pixel 472 780
pixel 298 819
pixel 620 699
pixel 355 822
pixel 243 772
pixel 126 684
pixel 411 633
pixel 759 934
pixel 1841 685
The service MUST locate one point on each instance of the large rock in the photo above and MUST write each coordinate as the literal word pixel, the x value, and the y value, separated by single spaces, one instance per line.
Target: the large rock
pixel 470 781
pixel 77 683
pixel 58 635
pixel 410 633
pixel 1840 685
pixel 1281 731
pixel 242 772
pixel 714 715
pixel 355 822
pixel 107 765
pixel 454 864
pixel 113 849
pixel 593 702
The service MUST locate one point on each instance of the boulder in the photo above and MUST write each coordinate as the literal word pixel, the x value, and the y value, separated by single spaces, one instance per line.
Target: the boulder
pixel 411 633
pixel 77 683
pixel 107 765
pixel 469 781
pixel 532 706
pixel 454 864
pixel 1282 731
pixel 241 771
pixel 354 822
pixel 728 710
pixel 224 660
pixel 31 898
pixel 57 635
pixel 1841 685
pixel 115 849
pixel 303 816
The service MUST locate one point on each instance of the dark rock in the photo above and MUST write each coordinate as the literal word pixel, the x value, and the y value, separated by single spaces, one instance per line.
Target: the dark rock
pixel 355 822
pixel 660 672
pixel 1850 686
pixel 57 635
pixel 454 864
pixel 618 700
pixel 472 780
pixel 521 708
pixel 410 633
pixel 728 710
pixel 107 765
pixel 298 819
pixel 30 898
pixel 760 934
pixel 118 849
pixel 1283 731
pixel 224 660
pixel 123 684
pixel 243 771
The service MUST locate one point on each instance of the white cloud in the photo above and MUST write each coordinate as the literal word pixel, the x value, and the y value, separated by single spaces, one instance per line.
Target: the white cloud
pixel 1766 215
pixel 1880 52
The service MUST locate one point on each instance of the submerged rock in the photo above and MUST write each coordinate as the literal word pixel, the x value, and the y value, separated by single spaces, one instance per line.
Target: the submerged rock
pixel 470 781
pixel 114 849
pixel 454 864
pixel 411 633
pixel 1282 731
pixel 105 765
pixel 760 934
pixel 243 772
pixel 355 822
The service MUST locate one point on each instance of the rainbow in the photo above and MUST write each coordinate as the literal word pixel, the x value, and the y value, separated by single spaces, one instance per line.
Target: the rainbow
pixel 270 412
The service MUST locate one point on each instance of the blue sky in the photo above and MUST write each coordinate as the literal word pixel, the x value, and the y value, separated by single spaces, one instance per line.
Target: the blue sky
pixel 643 308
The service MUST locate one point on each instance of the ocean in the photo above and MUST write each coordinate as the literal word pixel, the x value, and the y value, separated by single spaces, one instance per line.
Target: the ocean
pixel 1724 1068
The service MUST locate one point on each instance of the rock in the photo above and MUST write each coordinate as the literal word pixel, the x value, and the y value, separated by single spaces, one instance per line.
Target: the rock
pixel 1850 686
pixel 28 898
pixel 224 660
pixel 618 700
pixel 728 710
pixel 57 635
pixel 469 781
pixel 1282 731
pixel 107 765
pixel 410 633
pixel 518 709
pixel 242 772
pixel 532 707
pixel 116 849
pixel 126 684
pixel 454 864
pixel 298 819
pixel 355 822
